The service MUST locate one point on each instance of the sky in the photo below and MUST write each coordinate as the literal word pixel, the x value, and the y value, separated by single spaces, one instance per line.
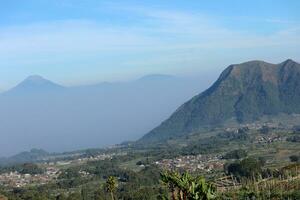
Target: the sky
pixel 74 42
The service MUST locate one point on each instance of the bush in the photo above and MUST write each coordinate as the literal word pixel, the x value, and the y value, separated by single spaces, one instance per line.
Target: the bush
pixel 294 158
pixel 295 138
pixel 248 167
pixel 29 168
pixel 235 154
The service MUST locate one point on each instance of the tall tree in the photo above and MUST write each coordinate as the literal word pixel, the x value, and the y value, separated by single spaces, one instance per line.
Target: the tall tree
pixel 111 186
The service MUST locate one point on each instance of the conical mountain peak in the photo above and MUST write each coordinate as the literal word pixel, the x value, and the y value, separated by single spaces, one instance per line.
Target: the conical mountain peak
pixel 33 84
pixel 36 78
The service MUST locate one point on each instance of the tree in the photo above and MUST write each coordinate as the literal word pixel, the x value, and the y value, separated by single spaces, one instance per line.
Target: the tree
pixel 61 197
pixel 99 194
pixel 30 168
pixel 294 138
pixel 74 196
pixel 248 167
pixel 265 130
pixel 111 186
pixel 294 158
pixel 235 154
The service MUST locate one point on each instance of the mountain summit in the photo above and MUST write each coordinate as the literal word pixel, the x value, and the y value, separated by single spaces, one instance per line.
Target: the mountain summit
pixel 36 79
pixel 243 93
pixel 35 83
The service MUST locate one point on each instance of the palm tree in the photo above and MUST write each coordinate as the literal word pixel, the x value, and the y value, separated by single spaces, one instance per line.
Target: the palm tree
pixel 111 186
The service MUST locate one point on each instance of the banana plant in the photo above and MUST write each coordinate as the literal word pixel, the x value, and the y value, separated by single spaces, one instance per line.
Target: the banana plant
pixel 200 190
pixel 168 179
pixel 187 187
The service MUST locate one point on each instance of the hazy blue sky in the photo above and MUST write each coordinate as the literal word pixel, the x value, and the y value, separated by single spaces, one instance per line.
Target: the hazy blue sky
pixel 83 41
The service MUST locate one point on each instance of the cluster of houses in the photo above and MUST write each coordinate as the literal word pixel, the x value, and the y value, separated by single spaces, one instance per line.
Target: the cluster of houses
pixel 256 126
pixel 104 156
pixel 16 179
pixel 81 160
pixel 269 139
pixel 207 163
pixel 97 157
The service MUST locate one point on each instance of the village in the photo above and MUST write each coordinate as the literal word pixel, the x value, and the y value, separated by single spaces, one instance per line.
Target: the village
pixel 191 163
pixel 16 179
pixel 51 172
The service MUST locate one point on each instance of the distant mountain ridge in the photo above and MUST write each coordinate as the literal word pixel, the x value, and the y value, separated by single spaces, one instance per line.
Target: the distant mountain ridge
pixel 156 77
pixel 243 93
pixel 39 113
pixel 24 157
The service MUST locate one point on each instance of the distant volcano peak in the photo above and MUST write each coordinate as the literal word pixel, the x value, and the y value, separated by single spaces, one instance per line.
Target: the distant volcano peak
pixel 35 78
pixel 35 83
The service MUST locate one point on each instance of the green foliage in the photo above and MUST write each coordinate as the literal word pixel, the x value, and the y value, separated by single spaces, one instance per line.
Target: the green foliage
pixel 248 167
pixel 69 173
pixel 239 135
pixel 294 158
pixel 75 196
pixel 29 168
pixel 235 154
pixel 26 168
pixel 61 197
pixel 265 130
pixel 100 194
pixel 209 145
pixel 111 184
pixel 294 138
pixel 185 187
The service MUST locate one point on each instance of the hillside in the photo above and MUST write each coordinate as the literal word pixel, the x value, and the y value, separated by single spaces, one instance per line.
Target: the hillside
pixel 243 93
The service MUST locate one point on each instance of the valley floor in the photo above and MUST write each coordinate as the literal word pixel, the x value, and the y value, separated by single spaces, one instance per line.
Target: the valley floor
pixel 240 163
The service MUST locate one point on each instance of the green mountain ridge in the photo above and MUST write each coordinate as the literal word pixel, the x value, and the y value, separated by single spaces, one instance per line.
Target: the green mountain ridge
pixel 243 93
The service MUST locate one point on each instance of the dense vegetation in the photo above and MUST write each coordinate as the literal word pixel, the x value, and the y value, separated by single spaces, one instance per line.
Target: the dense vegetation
pixel 152 183
pixel 26 168
pixel 294 138
pixel 263 170
pixel 249 167
pixel 235 154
